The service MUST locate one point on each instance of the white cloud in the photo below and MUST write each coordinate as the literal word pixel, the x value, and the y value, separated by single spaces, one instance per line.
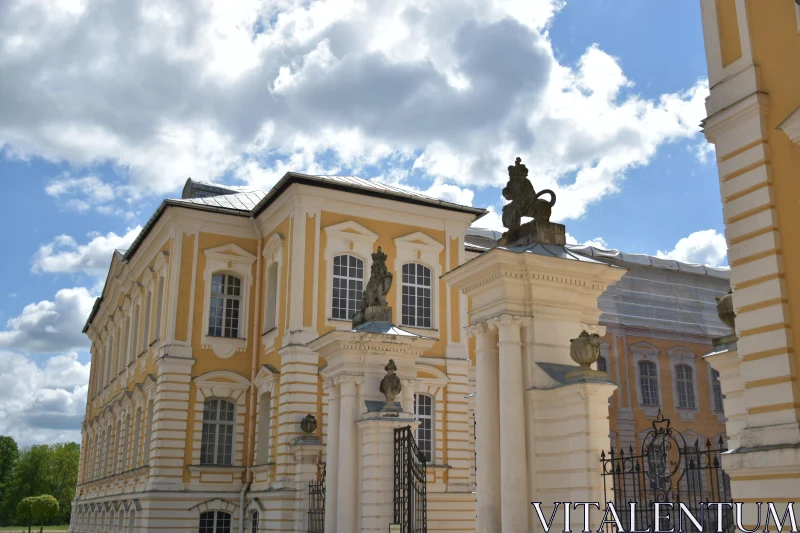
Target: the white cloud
pixel 705 247
pixel 50 327
pixel 91 192
pixel 597 242
pixel 452 88
pixel 63 255
pixel 704 151
pixel 42 405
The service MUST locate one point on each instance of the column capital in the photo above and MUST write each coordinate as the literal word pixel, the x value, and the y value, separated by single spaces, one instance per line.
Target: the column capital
pixel 506 320
pixel 476 329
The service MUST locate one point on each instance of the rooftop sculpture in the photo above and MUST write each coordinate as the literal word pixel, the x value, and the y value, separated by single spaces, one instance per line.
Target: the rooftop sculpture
pixel 524 201
pixel 373 300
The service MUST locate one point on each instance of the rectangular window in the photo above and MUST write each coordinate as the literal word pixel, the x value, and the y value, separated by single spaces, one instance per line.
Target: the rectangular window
pixel 348 286
pixel 423 411
pixel 649 383
pixel 135 334
pixel 159 306
pixel 683 373
pixel 223 315
pixel 216 445
pixel 146 328
pixel 416 296
pixel 716 390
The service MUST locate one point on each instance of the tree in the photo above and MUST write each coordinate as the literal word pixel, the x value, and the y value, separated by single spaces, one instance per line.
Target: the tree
pixel 9 453
pixel 63 476
pixel 25 512
pixel 43 509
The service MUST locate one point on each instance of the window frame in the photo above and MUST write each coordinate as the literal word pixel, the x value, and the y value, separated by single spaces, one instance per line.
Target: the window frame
pixel 346 238
pixel 273 256
pixel 228 259
pixel 417 286
pixel 227 287
pixel 429 453
pixel 350 257
pixel 217 423
pixel 643 351
pixel 716 385
pixel 215 517
pixel 684 379
pixel 681 355
pixel 422 249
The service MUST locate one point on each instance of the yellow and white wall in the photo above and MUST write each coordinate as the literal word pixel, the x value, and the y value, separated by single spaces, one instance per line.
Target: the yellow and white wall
pixel 753 49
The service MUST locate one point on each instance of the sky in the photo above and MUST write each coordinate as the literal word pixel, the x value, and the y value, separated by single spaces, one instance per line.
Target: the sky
pixel 108 106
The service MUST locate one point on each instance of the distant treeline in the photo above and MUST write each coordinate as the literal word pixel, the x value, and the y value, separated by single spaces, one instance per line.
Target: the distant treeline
pixel 36 470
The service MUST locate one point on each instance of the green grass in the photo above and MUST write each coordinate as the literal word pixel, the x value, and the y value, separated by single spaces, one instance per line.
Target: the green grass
pixel 21 529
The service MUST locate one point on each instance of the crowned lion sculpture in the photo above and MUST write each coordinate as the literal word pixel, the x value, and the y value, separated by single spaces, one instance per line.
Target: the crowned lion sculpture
pixel 524 200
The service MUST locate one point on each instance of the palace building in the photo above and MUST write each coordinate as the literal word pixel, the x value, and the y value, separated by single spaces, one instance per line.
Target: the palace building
pixel 230 391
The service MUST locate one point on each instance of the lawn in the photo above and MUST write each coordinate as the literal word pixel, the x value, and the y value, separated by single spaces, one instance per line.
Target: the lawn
pixel 22 529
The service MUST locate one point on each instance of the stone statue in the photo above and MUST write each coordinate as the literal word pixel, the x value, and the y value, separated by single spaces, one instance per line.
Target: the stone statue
pixel 390 385
pixel 373 300
pixel 525 202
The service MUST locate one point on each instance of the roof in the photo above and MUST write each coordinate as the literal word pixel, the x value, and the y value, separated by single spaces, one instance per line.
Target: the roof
pixel 649 260
pixel 551 250
pixel 239 201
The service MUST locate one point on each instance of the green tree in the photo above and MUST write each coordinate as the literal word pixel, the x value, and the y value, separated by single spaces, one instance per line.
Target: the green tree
pixel 43 509
pixel 25 512
pixel 9 453
pixel 63 476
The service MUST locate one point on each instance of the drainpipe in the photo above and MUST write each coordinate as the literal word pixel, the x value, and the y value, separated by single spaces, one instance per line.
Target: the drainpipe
pixel 249 455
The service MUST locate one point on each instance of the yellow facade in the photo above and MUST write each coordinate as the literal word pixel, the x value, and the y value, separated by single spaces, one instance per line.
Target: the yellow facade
pixel 754 122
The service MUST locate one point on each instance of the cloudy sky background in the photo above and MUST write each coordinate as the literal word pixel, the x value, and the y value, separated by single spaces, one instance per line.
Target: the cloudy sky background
pixel 106 107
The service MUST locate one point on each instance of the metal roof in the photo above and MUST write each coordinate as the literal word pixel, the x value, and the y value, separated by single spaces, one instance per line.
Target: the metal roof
pixel 551 250
pixel 241 201
pixel 649 260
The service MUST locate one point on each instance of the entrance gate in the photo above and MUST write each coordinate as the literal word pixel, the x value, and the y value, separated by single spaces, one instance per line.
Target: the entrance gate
pixel 410 496
pixel 668 470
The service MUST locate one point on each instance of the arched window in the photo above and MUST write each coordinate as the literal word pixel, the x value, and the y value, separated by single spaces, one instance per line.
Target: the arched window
pixel 648 375
pixel 223 316
pixel 137 438
pixel 602 365
pixel 216 446
pixel 716 391
pixel 416 295
pixel 683 375
pixel 348 285
pixel 254 522
pixel 215 522
pixel 423 411
pixel 271 306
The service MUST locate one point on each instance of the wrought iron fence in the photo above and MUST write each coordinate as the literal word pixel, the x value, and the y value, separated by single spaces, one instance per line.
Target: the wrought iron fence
pixel 316 504
pixel 410 495
pixel 668 470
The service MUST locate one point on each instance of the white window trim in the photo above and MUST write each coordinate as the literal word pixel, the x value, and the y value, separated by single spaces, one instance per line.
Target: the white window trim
pixel 720 414
pixel 225 386
pixel 433 387
pixel 228 259
pixel 682 355
pixel 345 238
pixel 647 352
pixel 418 248
pixel 272 253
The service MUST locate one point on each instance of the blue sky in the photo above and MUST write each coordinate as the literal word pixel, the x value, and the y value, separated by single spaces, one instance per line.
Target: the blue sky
pixel 106 108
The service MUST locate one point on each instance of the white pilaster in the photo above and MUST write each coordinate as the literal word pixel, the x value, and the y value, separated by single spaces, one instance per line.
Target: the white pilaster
pixel 487 439
pixel 346 512
pixel 332 458
pixel 513 458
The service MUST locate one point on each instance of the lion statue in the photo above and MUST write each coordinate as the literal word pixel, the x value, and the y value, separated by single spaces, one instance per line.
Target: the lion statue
pixel 524 201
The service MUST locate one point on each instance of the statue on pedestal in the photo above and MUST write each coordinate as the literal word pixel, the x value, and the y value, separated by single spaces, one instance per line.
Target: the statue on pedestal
pixel 373 300
pixel 525 201
pixel 391 385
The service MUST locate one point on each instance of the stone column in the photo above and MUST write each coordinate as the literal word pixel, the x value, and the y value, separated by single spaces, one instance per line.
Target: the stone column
pixel 513 458
pixel 407 395
pixel 306 457
pixel 487 439
pixel 346 512
pixel 332 457
pixel 376 440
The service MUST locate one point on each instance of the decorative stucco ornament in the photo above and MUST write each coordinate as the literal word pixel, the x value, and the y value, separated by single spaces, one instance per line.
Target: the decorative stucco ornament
pixel 585 349
pixel 524 200
pixel 725 310
pixel 373 300
pixel 309 424
pixel 391 385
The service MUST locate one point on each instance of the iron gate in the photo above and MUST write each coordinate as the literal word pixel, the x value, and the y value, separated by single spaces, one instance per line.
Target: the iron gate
pixel 316 504
pixel 668 470
pixel 410 496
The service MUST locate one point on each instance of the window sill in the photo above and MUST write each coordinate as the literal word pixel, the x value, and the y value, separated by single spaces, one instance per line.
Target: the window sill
pixel 224 347
pixel 213 468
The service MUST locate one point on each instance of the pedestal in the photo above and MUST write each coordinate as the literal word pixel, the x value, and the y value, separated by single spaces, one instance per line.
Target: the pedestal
pixel 376 439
